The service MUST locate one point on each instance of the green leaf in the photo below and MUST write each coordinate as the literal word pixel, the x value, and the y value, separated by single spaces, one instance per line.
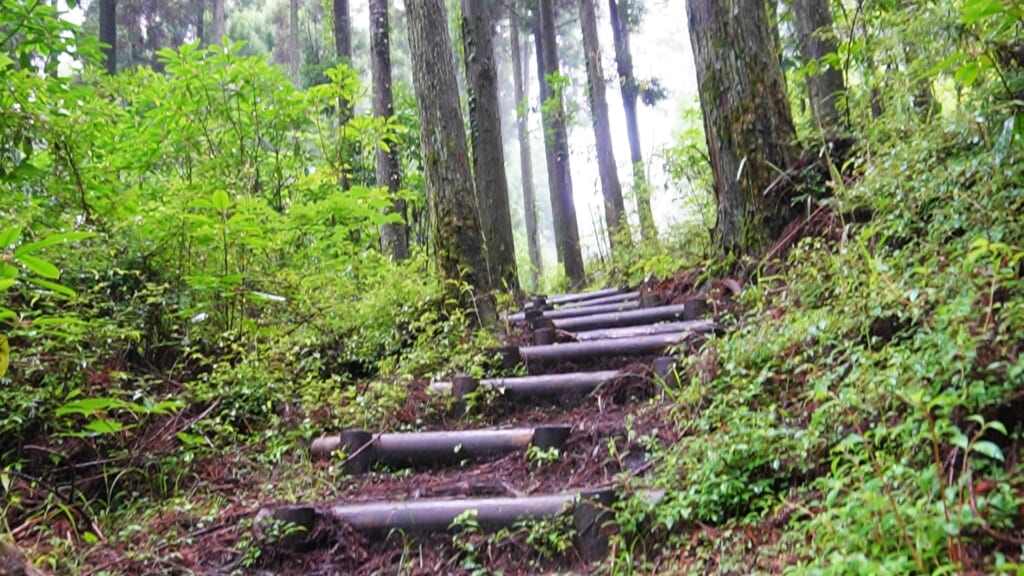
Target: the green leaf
pixel 968 73
pixel 101 426
pixel 53 286
pixel 220 201
pixel 989 449
pixel 39 266
pixel 51 240
pixel 975 10
pixel 5 355
pixel 6 283
pixel 89 406
pixel 9 236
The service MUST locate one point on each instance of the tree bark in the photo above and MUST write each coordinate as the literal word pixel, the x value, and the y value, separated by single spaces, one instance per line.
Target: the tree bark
pixel 549 151
pixel 525 160
pixel 394 236
pixel 747 120
pixel 630 90
pixel 108 34
pixel 825 86
pixel 201 22
pixel 458 244
pixel 294 42
pixel 611 189
pixel 343 30
pixel 488 156
pixel 219 28
pixel 561 187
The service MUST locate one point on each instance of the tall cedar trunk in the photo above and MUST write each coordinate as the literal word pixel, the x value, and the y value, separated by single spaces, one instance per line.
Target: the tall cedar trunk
pixel 201 22
pixel 219 27
pixel 343 30
pixel 549 150
pixel 488 156
pixel 554 116
pixel 108 33
pixel 294 44
pixel 454 221
pixel 394 236
pixel 813 20
pixel 614 207
pixel 630 91
pixel 519 80
pixel 747 119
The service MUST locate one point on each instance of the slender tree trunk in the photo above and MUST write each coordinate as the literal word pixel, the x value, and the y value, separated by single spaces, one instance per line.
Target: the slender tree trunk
pixel 201 22
pixel 294 43
pixel 611 189
pixel 525 160
pixel 343 30
pixel 572 255
pixel 108 34
pixel 825 87
pixel 549 151
pixel 747 120
pixel 459 250
pixel 219 28
pixel 630 90
pixel 488 156
pixel 394 236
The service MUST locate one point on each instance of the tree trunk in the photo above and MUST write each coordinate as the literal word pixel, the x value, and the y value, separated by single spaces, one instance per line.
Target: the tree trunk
pixel 630 90
pixel 485 132
pixel 458 244
pixel 394 236
pixel 525 160
pixel 108 33
pixel 343 30
pixel 747 120
pixel 201 22
pixel 554 116
pixel 549 150
pixel 825 87
pixel 611 189
pixel 219 28
pixel 294 43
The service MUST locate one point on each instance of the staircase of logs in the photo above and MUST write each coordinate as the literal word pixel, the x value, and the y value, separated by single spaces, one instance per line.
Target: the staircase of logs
pixel 611 323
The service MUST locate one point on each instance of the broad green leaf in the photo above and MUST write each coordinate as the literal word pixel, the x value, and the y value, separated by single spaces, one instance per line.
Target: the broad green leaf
pixel 40 266
pixel 8 271
pixel 975 10
pixel 989 449
pixel 220 201
pixel 967 73
pixel 89 406
pixel 9 236
pixel 102 426
pixel 53 286
pixel 5 355
pixel 6 283
pixel 51 240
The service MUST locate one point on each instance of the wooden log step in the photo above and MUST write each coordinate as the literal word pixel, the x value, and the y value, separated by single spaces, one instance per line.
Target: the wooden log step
pixel 690 310
pixel 409 449
pixel 529 387
pixel 574 312
pixel 591 510
pixel 638 345
pixel 614 298
pixel 559 299
pixel 693 326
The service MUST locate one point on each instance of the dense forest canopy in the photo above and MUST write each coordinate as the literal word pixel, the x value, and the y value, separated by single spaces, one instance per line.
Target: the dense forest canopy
pixel 229 225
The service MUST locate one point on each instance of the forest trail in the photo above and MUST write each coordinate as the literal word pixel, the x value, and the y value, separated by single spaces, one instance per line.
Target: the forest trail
pixel 557 445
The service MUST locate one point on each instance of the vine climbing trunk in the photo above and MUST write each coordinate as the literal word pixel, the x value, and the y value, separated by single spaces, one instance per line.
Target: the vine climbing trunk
pixel 611 188
pixel 747 121
pixel 458 244
pixel 520 52
pixel 555 135
pixel 630 90
pixel 488 156
pixel 394 236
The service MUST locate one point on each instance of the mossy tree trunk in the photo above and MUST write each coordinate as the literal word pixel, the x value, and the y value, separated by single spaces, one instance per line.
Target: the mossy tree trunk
pixel 456 238
pixel 825 86
pixel 519 86
pixel 394 236
pixel 549 151
pixel 611 188
pixel 630 90
pixel 488 156
pixel 557 139
pixel 747 120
